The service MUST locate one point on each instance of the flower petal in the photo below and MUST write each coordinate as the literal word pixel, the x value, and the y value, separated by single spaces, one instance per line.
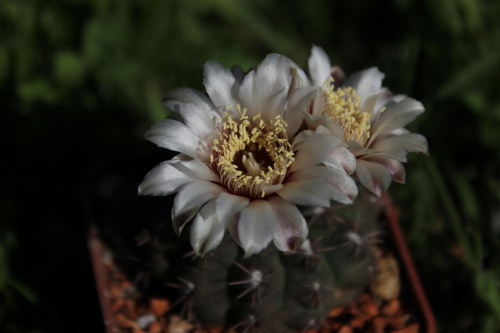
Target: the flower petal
pixel 227 205
pixel 190 96
pixel 198 121
pixel 296 109
pixel 256 226
pixel 411 142
pixel 199 117
pixel 318 103
pixel 314 122
pixel 370 103
pixel 342 158
pixel 390 100
pixel 189 201
pixel 174 135
pixel 307 192
pixel 319 66
pixel 164 179
pixel 398 154
pixel 314 150
pixel 375 177
pixel 395 168
pixel 167 177
pixel 221 85
pixel 299 77
pixel 384 99
pixel 366 82
pixel 207 230
pixel 291 229
pixel 396 116
pixel 341 187
pixel 358 150
pixel 271 188
pixel 264 90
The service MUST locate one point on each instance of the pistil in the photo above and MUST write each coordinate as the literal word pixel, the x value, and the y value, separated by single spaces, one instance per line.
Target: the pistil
pixel 252 167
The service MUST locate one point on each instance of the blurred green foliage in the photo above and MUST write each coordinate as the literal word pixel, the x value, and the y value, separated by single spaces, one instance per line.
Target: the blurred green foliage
pixel 81 80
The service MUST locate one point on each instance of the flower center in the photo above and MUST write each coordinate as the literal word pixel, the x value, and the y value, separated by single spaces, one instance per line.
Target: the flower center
pixel 251 154
pixel 342 106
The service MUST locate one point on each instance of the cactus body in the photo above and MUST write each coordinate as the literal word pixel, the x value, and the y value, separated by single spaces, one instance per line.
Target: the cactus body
pixel 267 292
pixel 273 291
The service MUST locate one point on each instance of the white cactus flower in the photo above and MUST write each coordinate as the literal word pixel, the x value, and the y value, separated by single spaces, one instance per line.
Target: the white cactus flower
pixel 368 118
pixel 243 164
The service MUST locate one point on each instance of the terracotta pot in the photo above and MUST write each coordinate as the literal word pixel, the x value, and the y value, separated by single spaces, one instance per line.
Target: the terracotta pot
pixel 102 178
pixel 96 253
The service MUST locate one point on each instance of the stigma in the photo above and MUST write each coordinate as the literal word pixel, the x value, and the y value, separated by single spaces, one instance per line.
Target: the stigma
pixel 252 167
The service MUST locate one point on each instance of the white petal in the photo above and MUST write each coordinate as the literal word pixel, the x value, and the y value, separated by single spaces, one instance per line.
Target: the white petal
pixel 308 192
pixel 167 177
pixel 199 115
pixel 319 66
pixel 164 179
pixel 190 96
pixel 397 131
pixel 220 84
pixel 229 204
pixel 357 149
pixel 366 82
pixel 384 98
pixel 290 229
pixel 314 150
pixel 411 142
pixel 319 103
pixel 296 109
pixel 397 116
pixel 233 230
pixel 256 227
pixel 207 230
pixel 264 90
pixel 198 121
pixel 370 103
pixel 398 154
pixel 373 176
pixel 270 189
pixel 300 78
pixel 300 138
pixel 391 100
pixel 323 120
pixel 190 199
pixel 342 158
pixel 174 135
pixel 341 187
pixel 395 168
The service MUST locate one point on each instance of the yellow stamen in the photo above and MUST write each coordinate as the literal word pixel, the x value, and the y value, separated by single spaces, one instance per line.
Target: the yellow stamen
pixel 342 106
pixel 248 155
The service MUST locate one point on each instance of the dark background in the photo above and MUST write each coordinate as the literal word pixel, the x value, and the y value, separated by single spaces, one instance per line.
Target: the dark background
pixel 81 81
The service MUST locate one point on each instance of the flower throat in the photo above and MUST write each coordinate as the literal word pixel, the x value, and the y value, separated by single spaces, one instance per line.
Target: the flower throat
pixel 251 154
